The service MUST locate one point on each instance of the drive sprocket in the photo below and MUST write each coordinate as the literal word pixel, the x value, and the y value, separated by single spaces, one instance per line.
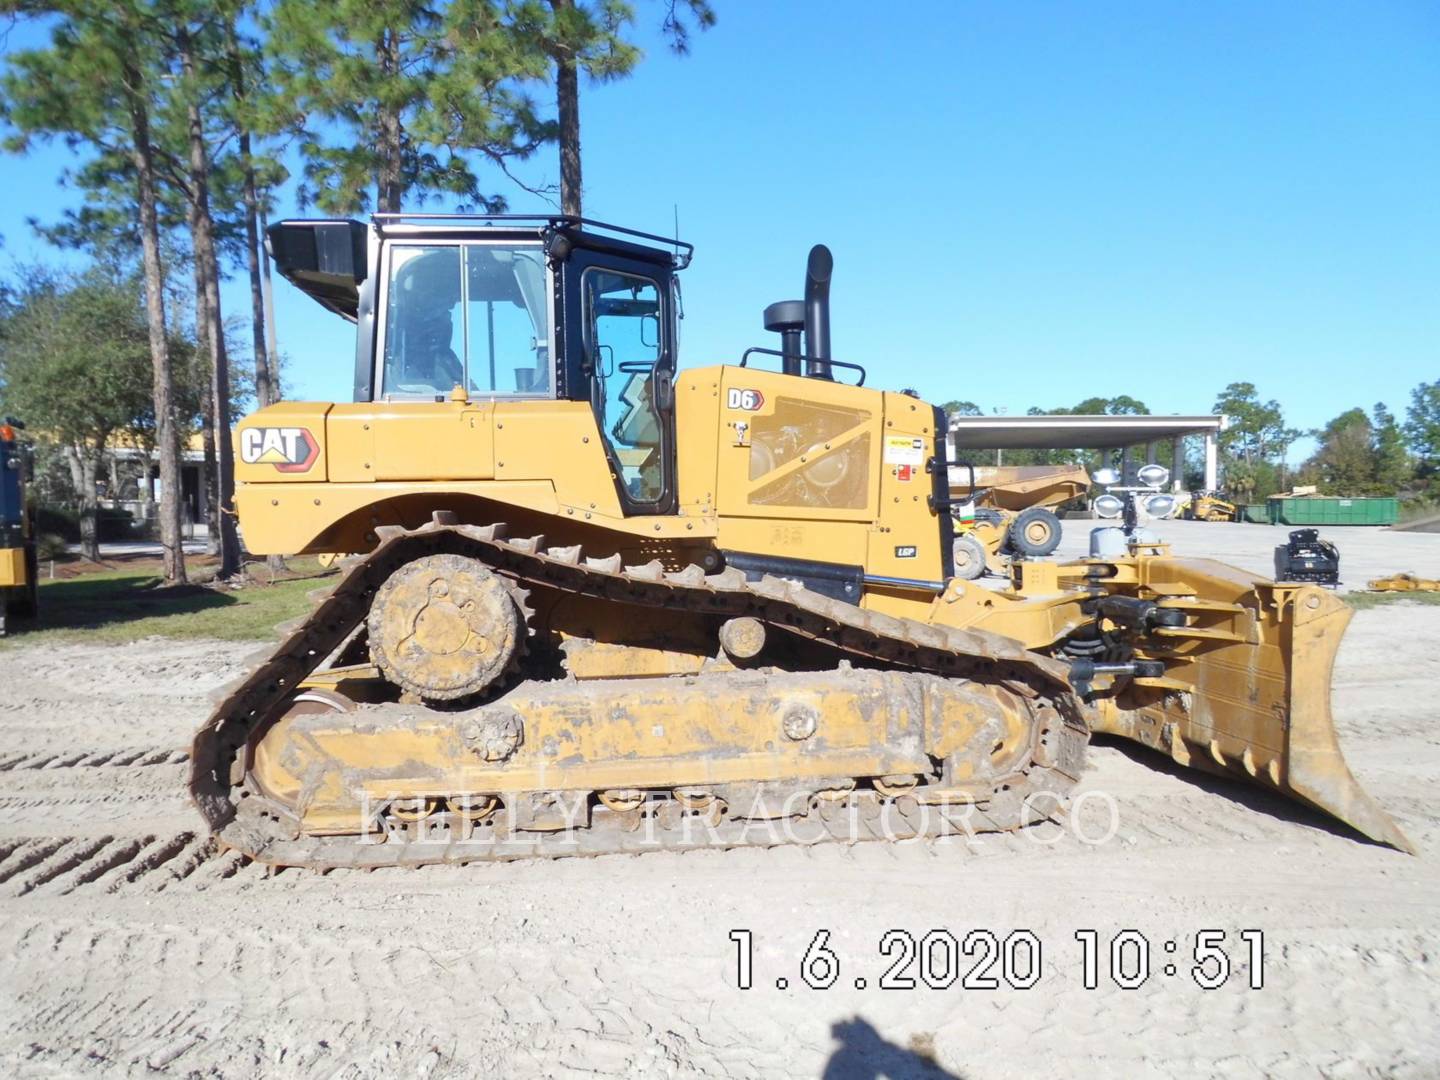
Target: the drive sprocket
pixel 445 627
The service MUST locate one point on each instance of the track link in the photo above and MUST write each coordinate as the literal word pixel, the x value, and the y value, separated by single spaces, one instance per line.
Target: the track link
pixel 265 831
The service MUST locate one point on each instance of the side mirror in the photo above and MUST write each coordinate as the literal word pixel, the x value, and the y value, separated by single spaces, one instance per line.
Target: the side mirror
pixel 1105 477
pixel 325 259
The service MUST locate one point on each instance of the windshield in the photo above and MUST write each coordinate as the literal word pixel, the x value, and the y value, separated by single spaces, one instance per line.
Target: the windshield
pixel 472 315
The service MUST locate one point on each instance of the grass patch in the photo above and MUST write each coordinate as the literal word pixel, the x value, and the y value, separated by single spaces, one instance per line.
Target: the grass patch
pixel 118 606
pixel 1364 601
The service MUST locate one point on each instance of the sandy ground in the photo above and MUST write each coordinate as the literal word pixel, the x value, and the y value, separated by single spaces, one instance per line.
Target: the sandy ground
pixel 128 947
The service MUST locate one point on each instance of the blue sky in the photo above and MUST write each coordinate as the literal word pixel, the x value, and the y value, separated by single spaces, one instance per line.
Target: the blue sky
pixel 1028 203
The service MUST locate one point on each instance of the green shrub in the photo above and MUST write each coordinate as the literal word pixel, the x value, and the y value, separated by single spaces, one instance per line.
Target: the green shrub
pixel 110 524
pixel 50 546
pixel 116 524
pixel 58 521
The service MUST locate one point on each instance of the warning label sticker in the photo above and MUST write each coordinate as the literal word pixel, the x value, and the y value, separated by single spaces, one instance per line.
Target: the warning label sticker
pixel 904 450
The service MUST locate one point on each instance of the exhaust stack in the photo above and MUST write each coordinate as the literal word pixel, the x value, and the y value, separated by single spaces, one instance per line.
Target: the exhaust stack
pixel 817 312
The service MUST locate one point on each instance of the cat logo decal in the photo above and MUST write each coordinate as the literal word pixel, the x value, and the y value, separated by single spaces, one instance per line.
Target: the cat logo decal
pixel 289 449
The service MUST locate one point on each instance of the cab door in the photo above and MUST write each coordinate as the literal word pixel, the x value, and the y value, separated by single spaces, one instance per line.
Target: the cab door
pixel 620 328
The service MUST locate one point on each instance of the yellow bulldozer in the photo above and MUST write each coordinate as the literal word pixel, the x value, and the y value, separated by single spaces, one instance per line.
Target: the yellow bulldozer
pixel 1210 506
pixel 591 602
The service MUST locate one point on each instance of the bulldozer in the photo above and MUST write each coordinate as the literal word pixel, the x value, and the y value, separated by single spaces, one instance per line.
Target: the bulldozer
pixel 589 601
pixel 1210 506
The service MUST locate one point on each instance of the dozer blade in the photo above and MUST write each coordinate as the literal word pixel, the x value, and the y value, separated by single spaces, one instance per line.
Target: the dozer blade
pixel 1246 692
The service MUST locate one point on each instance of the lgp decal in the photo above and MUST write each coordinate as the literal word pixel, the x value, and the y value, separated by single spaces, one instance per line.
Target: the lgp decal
pixel 749 400
pixel 905 551
pixel 289 449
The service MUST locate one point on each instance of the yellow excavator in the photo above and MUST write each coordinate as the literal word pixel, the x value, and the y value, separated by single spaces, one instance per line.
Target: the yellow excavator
pixel 590 602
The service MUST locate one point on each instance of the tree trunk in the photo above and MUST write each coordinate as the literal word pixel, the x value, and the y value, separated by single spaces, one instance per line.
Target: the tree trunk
pixel 146 482
pixel 77 475
pixel 81 462
pixel 166 437
pixel 271 352
pixel 264 392
pixel 145 492
pixel 389 179
pixel 275 563
pixel 209 472
pixel 209 499
pixel 267 382
pixel 89 505
pixel 204 243
pixel 567 104
pixel 224 444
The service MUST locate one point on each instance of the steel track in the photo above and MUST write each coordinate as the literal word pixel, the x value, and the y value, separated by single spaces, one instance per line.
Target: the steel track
pixel 269 833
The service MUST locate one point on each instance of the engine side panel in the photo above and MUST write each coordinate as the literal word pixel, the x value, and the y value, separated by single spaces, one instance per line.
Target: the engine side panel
pixel 792 448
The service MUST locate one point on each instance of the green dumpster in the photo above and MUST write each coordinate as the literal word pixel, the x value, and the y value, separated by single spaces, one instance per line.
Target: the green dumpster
pixel 1329 510
pixel 1254 513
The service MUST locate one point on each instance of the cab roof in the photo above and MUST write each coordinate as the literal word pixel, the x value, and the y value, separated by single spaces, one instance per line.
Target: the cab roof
pixel 328 258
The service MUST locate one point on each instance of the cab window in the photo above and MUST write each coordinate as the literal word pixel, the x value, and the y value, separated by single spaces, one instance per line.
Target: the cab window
pixel 472 315
pixel 624 346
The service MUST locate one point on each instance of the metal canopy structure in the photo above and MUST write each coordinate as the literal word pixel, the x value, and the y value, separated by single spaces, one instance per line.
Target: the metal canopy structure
pixel 1073 431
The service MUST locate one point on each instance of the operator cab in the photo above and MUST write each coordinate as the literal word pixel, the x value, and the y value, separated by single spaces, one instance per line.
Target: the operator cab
pixel 509 308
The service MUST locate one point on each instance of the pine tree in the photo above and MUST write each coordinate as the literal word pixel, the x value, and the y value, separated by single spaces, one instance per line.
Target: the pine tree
pixel 246 105
pixel 1422 422
pixel 1343 463
pixel 415 90
pixel 1360 455
pixel 95 87
pixel 574 37
pixel 1256 431
pixel 244 70
pixel 1393 468
pixel 195 42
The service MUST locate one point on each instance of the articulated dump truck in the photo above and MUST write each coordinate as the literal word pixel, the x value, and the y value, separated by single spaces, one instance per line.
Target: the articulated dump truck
pixel 589 602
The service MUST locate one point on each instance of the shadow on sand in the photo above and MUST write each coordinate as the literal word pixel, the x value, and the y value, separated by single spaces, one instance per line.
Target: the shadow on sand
pixel 864 1054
